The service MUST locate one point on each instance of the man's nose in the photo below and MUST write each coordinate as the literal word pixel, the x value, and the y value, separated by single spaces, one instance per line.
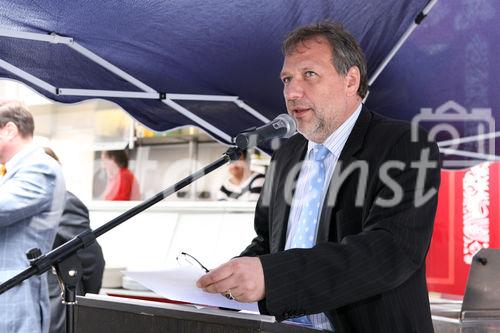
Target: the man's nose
pixel 294 90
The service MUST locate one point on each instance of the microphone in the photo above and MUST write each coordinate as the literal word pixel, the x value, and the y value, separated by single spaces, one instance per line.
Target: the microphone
pixel 283 126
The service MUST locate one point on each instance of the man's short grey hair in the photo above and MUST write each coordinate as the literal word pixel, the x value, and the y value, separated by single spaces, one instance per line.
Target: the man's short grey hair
pixel 15 112
pixel 345 49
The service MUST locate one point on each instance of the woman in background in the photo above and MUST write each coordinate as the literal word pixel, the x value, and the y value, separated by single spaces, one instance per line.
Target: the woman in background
pixel 243 184
pixel 121 183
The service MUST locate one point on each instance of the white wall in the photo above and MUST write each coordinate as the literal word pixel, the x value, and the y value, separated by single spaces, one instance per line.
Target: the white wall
pixel 212 232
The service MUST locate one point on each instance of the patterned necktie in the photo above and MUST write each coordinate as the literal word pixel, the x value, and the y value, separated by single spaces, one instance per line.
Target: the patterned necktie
pixel 309 214
pixel 305 235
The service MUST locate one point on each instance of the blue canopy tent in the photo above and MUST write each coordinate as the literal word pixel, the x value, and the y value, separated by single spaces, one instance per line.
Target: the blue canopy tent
pixel 445 78
pixel 209 63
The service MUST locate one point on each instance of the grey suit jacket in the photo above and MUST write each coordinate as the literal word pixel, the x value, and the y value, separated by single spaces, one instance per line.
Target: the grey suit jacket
pixel 367 269
pixel 31 202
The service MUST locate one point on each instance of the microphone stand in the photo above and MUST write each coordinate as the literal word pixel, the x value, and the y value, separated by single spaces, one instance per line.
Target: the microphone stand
pixel 63 258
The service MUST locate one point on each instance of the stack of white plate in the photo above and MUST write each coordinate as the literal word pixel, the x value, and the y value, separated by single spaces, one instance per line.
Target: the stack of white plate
pixel 112 277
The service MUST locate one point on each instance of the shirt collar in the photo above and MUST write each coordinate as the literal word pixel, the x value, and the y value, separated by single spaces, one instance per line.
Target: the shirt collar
pixel 20 155
pixel 336 141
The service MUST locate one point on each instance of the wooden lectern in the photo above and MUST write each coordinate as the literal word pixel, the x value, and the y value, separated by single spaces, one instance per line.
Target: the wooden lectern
pixel 99 313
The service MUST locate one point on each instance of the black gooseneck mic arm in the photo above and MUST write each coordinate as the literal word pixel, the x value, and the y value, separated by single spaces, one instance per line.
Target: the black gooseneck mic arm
pixel 63 259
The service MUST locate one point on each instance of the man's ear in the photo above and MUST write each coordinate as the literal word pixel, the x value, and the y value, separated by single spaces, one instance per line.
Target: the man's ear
pixel 353 78
pixel 10 130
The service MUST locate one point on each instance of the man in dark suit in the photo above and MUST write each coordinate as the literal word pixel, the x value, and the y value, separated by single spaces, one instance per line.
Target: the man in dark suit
pixel 341 238
pixel 74 221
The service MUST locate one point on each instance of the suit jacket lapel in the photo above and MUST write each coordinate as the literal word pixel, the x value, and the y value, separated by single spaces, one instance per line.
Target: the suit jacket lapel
pixel 354 144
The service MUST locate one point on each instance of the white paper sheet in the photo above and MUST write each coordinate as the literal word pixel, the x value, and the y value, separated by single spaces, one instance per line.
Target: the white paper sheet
pixel 179 284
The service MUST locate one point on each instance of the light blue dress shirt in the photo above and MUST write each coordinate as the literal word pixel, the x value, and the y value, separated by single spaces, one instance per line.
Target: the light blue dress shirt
pixel 335 143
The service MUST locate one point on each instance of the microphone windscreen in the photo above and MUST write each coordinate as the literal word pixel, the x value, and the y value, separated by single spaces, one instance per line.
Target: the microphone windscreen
pixel 289 122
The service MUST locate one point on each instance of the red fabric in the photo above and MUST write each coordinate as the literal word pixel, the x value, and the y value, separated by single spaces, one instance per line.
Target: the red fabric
pixel 123 187
pixel 467 219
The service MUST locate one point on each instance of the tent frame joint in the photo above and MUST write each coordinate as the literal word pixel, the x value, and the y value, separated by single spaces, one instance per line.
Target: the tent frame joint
pixel 420 17
pixel 57 39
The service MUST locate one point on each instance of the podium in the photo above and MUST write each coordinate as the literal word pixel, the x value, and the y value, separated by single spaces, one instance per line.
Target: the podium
pixel 99 313
pixel 480 309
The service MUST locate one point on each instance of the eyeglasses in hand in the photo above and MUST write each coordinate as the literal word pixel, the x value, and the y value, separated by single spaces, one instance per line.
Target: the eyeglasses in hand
pixel 183 256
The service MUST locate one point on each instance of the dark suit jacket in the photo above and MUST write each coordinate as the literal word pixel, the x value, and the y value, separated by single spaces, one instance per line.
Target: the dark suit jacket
pixel 367 269
pixel 75 220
